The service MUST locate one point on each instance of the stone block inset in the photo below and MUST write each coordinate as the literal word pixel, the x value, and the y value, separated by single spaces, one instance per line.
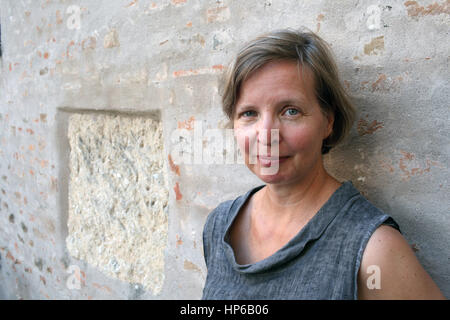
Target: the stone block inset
pixel 118 196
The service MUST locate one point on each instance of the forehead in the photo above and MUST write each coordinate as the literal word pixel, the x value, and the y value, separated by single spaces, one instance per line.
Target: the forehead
pixel 276 80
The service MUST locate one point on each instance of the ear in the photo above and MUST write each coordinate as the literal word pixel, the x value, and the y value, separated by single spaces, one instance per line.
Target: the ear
pixel 329 116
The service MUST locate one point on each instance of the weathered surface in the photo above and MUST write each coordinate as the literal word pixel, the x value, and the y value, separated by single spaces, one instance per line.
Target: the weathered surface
pixel 118 197
pixel 95 59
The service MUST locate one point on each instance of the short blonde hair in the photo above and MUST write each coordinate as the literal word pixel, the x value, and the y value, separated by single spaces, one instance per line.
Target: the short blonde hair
pixel 309 50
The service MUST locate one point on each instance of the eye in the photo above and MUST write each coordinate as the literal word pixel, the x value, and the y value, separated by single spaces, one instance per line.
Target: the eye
pixel 247 113
pixel 291 112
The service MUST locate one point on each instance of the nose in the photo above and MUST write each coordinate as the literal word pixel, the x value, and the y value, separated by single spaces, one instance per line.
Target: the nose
pixel 268 130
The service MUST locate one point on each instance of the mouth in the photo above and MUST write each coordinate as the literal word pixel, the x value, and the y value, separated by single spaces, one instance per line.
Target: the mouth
pixel 269 161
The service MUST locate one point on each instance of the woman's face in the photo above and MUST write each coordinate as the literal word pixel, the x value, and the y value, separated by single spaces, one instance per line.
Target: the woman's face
pixel 277 99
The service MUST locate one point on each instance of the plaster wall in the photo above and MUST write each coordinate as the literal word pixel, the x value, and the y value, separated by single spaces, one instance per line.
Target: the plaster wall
pixel 91 93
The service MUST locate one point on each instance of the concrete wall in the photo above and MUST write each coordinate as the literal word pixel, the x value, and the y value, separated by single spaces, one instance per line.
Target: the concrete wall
pixel 93 204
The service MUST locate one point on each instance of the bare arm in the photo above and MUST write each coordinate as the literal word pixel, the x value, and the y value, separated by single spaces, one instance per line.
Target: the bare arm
pixel 401 274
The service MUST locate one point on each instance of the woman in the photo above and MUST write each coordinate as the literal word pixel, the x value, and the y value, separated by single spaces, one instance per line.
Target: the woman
pixel 303 234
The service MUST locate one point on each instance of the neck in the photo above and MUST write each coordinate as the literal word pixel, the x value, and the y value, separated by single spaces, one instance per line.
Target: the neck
pixel 298 199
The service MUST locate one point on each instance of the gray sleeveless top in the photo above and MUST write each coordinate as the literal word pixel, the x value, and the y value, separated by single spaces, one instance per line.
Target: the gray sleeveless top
pixel 320 262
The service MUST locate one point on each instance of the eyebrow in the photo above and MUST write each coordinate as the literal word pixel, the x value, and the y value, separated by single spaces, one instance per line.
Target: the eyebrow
pixel 295 101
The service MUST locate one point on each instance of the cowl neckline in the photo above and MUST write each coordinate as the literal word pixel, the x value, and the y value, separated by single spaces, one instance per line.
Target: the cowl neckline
pixel 315 227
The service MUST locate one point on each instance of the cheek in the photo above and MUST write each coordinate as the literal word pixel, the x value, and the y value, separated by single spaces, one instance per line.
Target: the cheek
pixel 245 138
pixel 305 139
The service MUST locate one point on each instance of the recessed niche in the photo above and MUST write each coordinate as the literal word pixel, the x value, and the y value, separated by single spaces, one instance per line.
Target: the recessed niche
pixel 118 196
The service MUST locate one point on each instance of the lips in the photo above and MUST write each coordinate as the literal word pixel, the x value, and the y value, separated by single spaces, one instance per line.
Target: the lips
pixel 269 161
pixel 271 158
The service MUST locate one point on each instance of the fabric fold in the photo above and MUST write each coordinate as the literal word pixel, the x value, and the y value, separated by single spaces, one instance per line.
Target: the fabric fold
pixel 315 227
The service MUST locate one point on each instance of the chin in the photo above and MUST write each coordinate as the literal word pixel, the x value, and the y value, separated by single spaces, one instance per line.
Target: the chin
pixel 269 178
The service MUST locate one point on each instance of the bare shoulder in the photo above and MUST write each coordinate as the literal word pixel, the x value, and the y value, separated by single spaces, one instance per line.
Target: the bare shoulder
pixel 390 269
